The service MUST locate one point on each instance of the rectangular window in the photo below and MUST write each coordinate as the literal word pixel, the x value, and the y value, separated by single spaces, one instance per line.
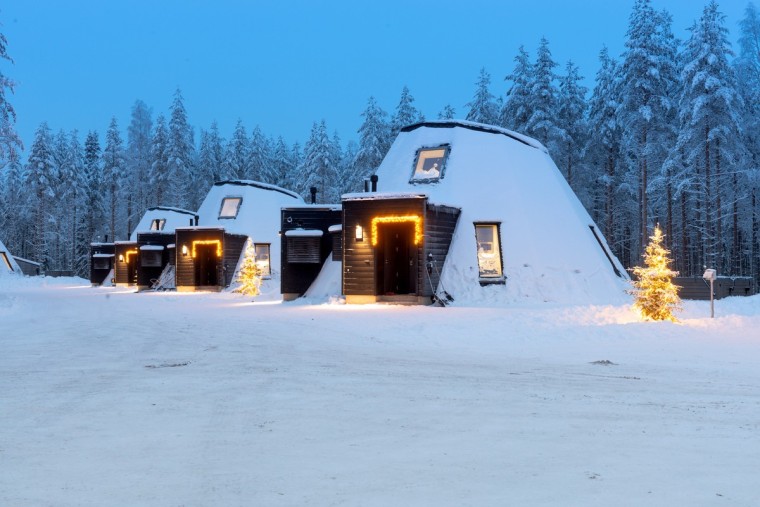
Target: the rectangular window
pixel 262 258
pixel 158 224
pixel 430 164
pixel 230 207
pixel 489 252
pixel 101 263
pixel 7 261
pixel 303 249
pixel 150 258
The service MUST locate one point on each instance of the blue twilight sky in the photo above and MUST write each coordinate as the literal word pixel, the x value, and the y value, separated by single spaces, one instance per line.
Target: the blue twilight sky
pixel 283 64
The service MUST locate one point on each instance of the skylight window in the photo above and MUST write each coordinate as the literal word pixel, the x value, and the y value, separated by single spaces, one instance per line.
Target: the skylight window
pixel 230 207
pixel 430 164
pixel 158 224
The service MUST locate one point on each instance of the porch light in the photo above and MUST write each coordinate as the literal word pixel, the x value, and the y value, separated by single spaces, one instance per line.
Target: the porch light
pixel 416 219
pixel 359 233
pixel 184 250
pixel 121 257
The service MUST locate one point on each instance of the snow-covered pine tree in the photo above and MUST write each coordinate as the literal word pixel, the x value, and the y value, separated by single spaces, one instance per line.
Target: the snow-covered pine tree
pixel 710 134
pixel 40 176
pixel 374 141
pixel 249 276
pixel 138 158
pixel 93 189
pixel 647 105
pixel 518 107
pixel 282 163
pixel 542 122
pixel 482 106
pixel 260 155
pixel 573 129
pixel 15 213
pixel 239 153
pixel 406 113
pixel 603 148
pixel 656 295
pixel 347 181
pixel 447 113
pixel 160 162
pixel 62 193
pixel 318 167
pixel 210 158
pixel 80 247
pixel 9 139
pixel 113 174
pixel 180 155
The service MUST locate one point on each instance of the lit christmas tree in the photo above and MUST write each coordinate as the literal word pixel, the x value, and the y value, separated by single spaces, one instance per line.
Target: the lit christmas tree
pixel 249 276
pixel 656 296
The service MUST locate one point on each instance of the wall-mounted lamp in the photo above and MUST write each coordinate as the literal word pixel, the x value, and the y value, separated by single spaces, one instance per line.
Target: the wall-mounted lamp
pixel 121 257
pixel 184 250
pixel 359 233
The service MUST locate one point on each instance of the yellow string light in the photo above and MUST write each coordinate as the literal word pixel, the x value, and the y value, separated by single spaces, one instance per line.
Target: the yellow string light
pixel 128 253
pixel 209 242
pixel 416 219
pixel 656 294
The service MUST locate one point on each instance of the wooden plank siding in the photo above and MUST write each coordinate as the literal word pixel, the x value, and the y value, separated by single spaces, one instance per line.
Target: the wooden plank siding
pixel 359 256
pixel 98 276
pixel 185 269
pixel 440 223
pixel 233 247
pixel 125 273
pixel 697 288
pixel 145 274
pixel 296 278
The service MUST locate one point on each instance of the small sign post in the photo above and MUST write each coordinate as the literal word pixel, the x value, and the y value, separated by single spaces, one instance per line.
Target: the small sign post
pixel 710 274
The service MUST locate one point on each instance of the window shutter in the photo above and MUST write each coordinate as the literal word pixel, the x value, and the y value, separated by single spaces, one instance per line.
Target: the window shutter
pixel 303 250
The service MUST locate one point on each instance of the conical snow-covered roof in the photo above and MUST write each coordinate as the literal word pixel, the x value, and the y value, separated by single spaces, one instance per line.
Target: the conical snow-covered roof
pixel 551 248
pixel 163 219
pixel 8 265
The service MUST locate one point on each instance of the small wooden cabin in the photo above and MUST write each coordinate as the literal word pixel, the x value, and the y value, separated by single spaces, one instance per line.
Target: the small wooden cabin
pixel 156 253
pixel 126 258
pixel 206 258
pixel 101 263
pixel 308 240
pixel 29 268
pixel 394 246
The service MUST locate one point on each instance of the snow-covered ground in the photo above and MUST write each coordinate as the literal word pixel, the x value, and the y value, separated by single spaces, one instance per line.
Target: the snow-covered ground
pixel 110 398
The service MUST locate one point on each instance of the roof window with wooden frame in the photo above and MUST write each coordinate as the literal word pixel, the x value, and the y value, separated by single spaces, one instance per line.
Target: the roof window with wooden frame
pixel 490 264
pixel 230 207
pixel 430 164
pixel 157 224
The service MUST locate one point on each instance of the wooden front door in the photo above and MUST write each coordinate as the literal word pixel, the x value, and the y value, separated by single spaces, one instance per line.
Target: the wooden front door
pixel 206 265
pixel 396 259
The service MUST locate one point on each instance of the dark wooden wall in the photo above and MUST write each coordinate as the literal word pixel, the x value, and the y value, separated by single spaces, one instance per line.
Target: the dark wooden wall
pixel 296 278
pixel 440 222
pixel 98 276
pixel 145 273
pixel 121 269
pixel 359 268
pixel 697 288
pixel 233 245
pixel 185 271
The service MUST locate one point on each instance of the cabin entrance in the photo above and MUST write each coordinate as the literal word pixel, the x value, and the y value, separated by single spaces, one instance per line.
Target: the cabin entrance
pixel 396 259
pixel 206 265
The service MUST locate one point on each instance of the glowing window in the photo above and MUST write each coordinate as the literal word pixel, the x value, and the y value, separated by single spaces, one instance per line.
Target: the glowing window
pixel 7 262
pixel 230 207
pixel 489 251
pixel 262 258
pixel 158 224
pixel 430 164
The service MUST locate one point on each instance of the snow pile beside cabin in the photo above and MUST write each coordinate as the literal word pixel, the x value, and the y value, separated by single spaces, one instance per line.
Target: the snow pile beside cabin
pixel 175 217
pixel 494 175
pixel 258 216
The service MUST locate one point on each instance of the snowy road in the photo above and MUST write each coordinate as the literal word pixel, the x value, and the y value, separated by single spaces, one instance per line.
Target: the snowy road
pixel 114 398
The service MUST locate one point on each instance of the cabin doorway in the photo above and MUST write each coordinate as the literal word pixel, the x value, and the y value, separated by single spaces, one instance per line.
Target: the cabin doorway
pixel 396 259
pixel 132 271
pixel 206 265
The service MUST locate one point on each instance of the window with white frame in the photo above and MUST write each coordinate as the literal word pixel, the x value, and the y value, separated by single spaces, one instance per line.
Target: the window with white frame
pixel 230 207
pixel 489 251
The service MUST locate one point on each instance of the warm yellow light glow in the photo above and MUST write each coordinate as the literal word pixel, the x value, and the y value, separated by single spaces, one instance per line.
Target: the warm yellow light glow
pixel 184 250
pixel 416 219
pixel 209 242
pixel 656 295
pixel 129 253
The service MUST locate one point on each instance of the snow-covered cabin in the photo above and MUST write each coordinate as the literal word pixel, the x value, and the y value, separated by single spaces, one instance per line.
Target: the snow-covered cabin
pixel 233 211
pixel 476 212
pixel 101 263
pixel 8 265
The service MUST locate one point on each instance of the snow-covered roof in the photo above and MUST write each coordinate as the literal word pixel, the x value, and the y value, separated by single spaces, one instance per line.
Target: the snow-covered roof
pixel 102 256
pixel 331 207
pixel 366 196
pixel 495 175
pixel 258 213
pixel 304 233
pixel 7 257
pixel 173 218
pixel 335 228
pixel 155 248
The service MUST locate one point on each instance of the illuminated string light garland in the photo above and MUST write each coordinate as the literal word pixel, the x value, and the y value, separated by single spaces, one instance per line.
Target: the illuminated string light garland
pixel 209 242
pixel 128 253
pixel 416 219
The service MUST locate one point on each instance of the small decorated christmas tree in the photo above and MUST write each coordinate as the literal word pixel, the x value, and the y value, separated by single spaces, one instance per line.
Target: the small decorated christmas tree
pixel 656 296
pixel 249 275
